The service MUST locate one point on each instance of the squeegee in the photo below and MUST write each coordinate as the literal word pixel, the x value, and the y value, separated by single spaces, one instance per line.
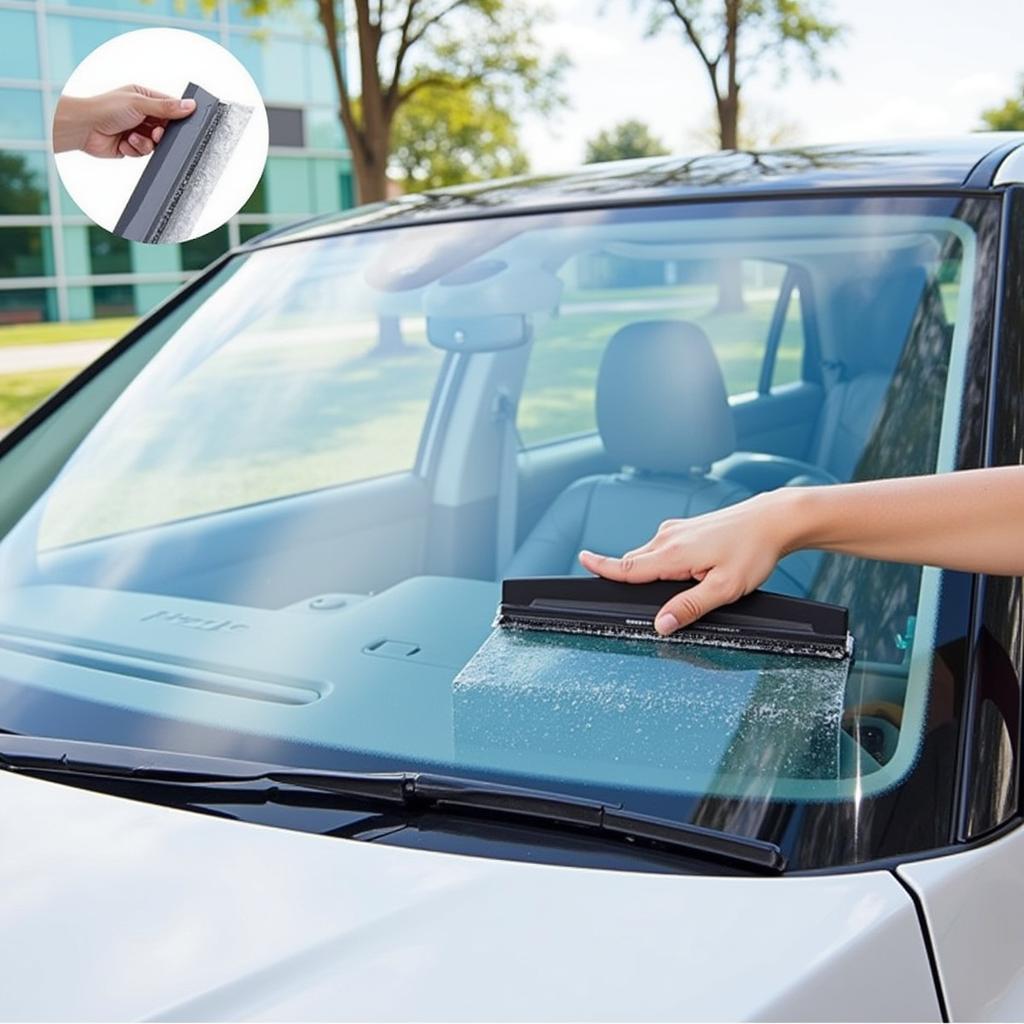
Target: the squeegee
pixel 181 174
pixel 760 621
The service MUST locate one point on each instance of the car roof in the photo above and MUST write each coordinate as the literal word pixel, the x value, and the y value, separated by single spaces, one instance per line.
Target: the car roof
pixel 959 162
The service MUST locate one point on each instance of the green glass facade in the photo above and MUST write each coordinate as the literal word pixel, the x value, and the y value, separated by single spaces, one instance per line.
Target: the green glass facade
pixel 56 264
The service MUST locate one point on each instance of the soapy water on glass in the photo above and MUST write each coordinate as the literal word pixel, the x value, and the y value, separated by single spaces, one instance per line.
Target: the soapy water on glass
pixel 673 706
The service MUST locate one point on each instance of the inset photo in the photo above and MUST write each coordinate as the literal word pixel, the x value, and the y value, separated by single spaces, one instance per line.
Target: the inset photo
pixel 160 135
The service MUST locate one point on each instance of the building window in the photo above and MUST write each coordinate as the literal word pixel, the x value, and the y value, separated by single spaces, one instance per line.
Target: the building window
pixel 21 55
pixel 71 39
pixel 113 300
pixel 23 190
pixel 287 126
pixel 326 175
pixel 201 252
pixel 325 129
pixel 108 254
pixel 247 231
pixel 21 114
pixel 25 252
pixel 277 66
pixel 166 8
pixel 27 305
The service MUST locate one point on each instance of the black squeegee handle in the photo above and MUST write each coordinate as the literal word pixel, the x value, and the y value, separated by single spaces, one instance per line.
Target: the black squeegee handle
pixel 583 598
pixel 166 167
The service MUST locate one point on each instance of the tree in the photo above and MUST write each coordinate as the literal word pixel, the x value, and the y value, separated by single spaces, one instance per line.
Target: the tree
pixel 448 137
pixel 733 37
pixel 22 187
pixel 1009 117
pixel 624 141
pixel 406 47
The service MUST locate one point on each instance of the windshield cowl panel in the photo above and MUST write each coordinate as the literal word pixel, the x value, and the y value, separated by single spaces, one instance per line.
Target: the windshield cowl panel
pixel 278 537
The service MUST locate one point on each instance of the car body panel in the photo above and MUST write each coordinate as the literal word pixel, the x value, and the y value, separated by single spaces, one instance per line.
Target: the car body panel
pixel 972 902
pixel 123 910
pixel 919 164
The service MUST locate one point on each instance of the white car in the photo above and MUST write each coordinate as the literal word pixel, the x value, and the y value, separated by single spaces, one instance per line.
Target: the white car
pixel 259 762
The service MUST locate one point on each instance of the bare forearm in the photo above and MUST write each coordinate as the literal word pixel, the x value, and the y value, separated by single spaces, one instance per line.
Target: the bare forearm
pixel 71 123
pixel 972 520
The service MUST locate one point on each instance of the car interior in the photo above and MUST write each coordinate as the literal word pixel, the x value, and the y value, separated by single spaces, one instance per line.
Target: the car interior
pixel 390 578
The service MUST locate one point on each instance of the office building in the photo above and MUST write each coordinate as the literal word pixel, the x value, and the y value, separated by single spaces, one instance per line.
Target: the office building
pixel 54 263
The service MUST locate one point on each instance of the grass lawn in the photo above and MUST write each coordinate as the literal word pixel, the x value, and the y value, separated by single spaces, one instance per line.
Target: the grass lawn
pixel 20 393
pixel 76 330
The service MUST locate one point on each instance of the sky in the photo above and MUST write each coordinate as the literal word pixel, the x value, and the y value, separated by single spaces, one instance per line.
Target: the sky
pixel 904 68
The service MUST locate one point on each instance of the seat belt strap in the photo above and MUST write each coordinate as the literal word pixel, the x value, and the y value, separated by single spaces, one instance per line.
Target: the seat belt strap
pixel 833 374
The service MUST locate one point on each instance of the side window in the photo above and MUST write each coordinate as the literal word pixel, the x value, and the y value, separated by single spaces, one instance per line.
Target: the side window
pixel 789 356
pixel 734 301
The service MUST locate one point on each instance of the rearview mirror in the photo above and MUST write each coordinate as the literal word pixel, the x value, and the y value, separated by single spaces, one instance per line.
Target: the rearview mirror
pixel 478 333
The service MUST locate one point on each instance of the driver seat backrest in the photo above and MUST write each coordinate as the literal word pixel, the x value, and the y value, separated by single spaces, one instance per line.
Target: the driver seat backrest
pixel 664 416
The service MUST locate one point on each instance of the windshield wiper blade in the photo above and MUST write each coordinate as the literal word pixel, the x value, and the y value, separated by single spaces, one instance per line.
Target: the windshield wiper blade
pixel 413 791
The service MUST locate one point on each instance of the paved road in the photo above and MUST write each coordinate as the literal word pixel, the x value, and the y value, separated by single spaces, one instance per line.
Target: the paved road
pixel 60 355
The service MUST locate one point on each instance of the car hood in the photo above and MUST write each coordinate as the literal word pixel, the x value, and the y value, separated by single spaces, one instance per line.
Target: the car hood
pixel 115 909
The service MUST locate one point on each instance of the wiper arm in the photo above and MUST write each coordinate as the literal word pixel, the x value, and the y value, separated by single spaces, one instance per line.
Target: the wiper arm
pixel 412 791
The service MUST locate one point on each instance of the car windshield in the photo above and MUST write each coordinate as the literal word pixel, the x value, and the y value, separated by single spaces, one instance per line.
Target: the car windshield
pixel 274 525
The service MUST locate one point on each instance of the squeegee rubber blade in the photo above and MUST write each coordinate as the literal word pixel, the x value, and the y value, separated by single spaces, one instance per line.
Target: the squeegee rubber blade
pixel 761 621
pixel 222 136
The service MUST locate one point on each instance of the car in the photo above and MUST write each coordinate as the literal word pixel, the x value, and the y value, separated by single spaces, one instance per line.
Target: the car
pixel 265 754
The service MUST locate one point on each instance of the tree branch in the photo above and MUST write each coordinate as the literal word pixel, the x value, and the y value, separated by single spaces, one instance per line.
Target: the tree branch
pixel 329 20
pixel 395 97
pixel 404 42
pixel 710 64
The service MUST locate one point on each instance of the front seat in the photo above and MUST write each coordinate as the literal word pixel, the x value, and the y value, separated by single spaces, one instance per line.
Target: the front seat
pixel 664 416
pixel 872 318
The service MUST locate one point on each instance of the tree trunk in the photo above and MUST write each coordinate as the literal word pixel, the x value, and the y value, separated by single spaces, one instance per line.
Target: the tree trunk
pixel 728 122
pixel 390 341
pixel 367 126
pixel 730 273
pixel 370 173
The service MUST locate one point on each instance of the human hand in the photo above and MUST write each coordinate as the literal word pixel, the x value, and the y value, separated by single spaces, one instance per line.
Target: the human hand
pixel 129 121
pixel 730 552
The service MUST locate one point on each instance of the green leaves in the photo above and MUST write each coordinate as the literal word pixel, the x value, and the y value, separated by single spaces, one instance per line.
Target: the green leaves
pixel 449 136
pixel 1006 118
pixel 624 141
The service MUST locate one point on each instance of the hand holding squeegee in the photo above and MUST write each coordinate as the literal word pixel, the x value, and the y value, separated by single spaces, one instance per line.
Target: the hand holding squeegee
pixel 967 521
pixel 129 121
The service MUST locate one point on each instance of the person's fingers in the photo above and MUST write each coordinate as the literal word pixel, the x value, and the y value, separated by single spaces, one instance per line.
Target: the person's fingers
pixel 157 133
pixel 643 549
pixel 164 107
pixel 628 569
pixel 140 144
pixel 124 149
pixel 689 605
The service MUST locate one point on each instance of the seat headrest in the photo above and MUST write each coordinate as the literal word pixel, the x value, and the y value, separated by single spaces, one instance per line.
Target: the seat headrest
pixel 661 400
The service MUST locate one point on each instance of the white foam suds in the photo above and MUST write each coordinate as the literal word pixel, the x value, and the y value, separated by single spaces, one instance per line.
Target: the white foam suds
pixel 676 706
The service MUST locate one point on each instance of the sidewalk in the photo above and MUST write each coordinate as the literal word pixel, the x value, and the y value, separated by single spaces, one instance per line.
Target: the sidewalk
pixel 60 355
